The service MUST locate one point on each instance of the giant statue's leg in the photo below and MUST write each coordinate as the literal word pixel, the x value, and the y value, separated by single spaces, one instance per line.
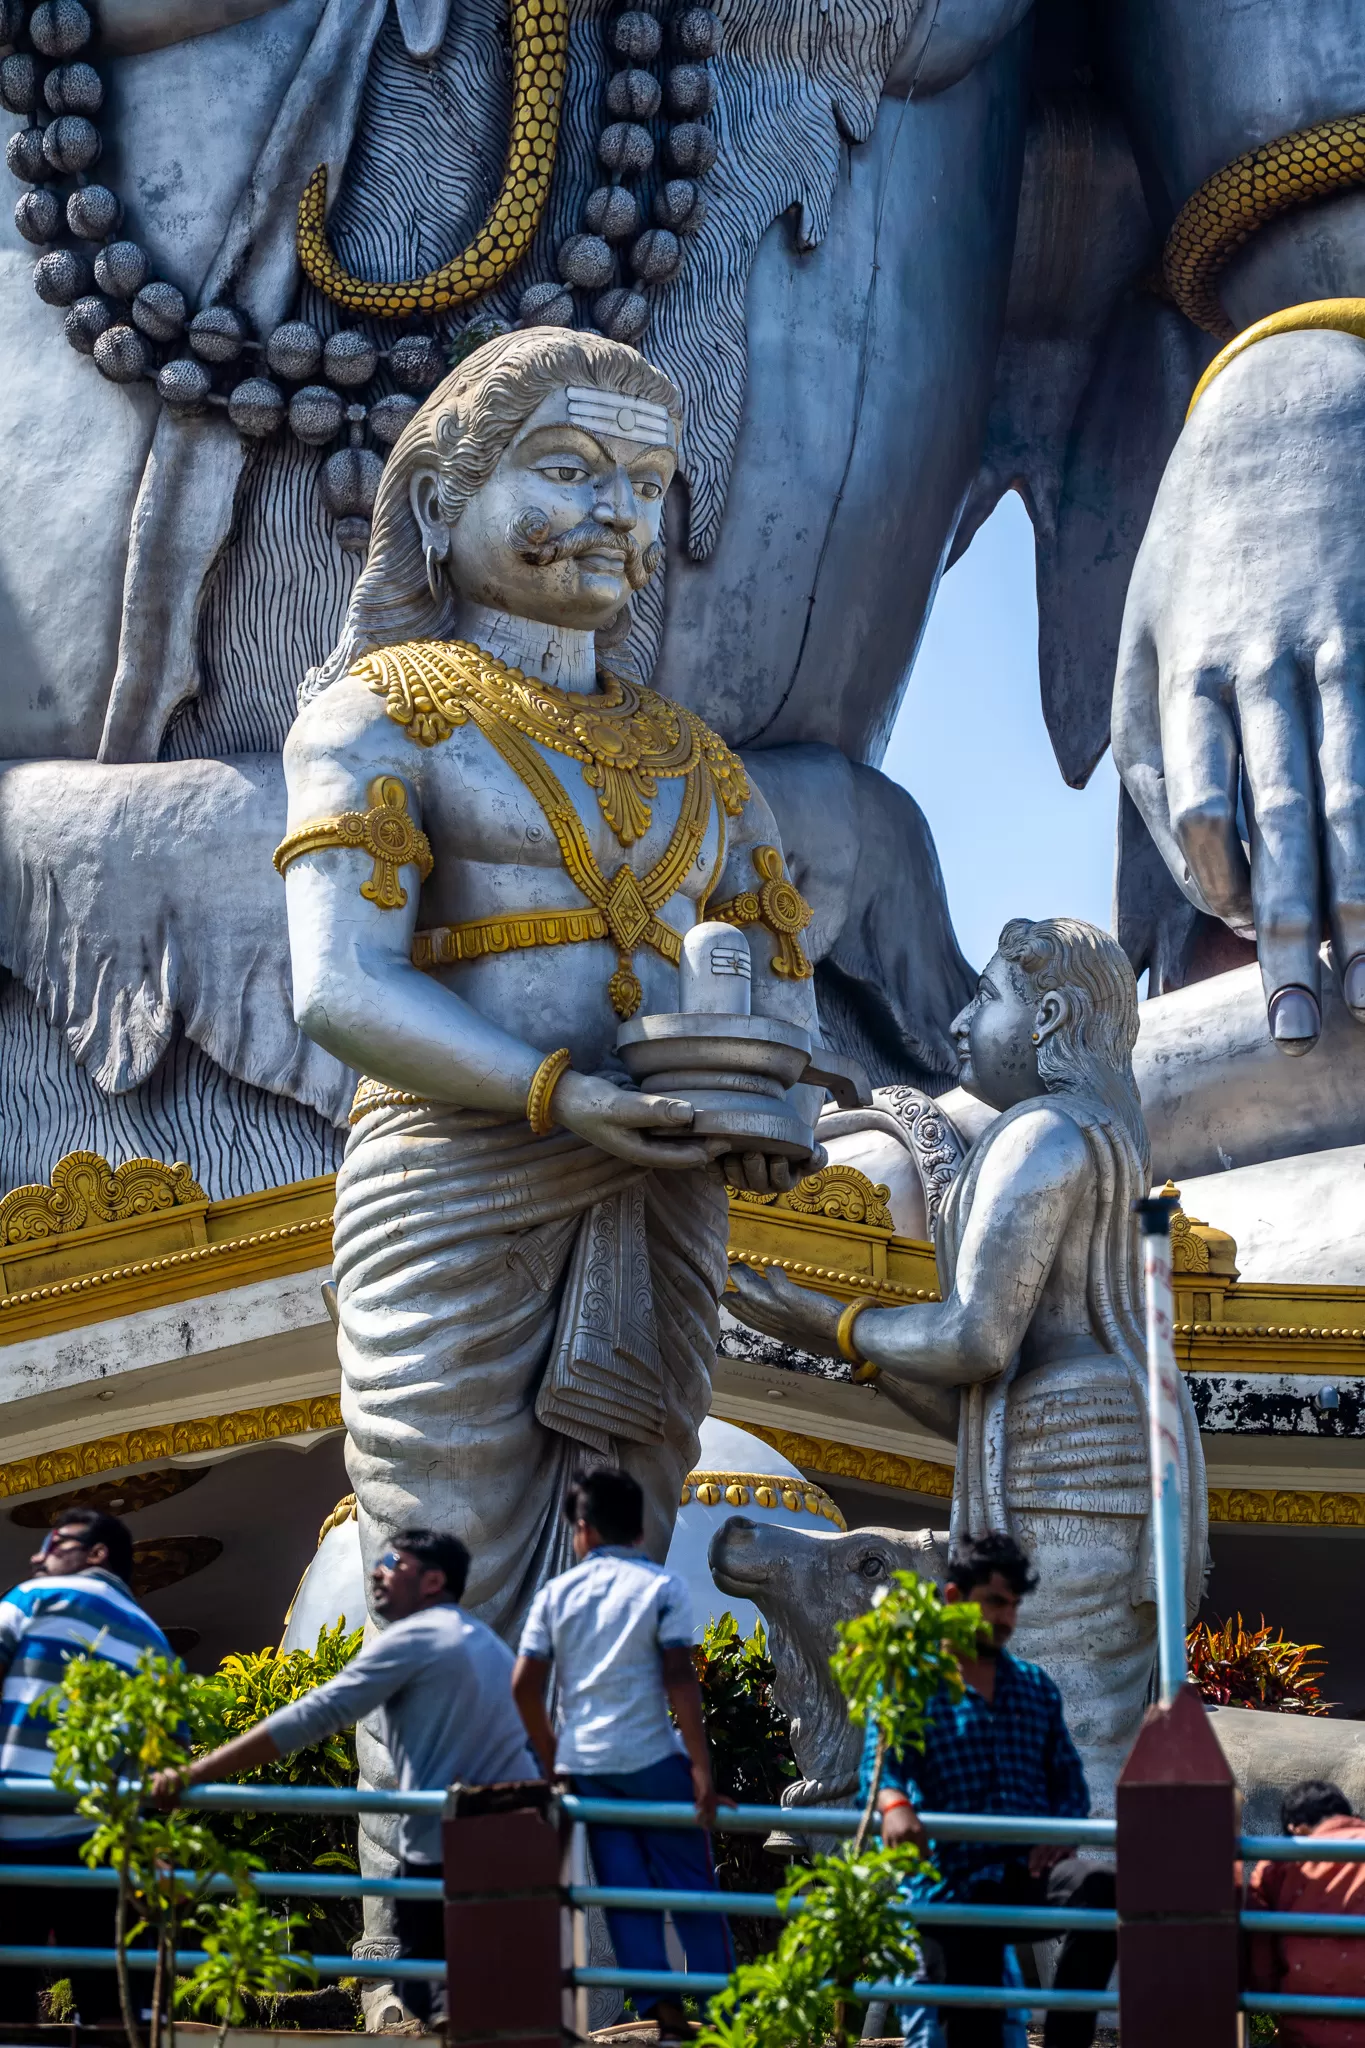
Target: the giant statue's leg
pixel 1076 1489
pixel 457 1254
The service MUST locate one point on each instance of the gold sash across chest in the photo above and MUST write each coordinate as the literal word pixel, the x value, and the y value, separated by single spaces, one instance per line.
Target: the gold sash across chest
pixel 627 739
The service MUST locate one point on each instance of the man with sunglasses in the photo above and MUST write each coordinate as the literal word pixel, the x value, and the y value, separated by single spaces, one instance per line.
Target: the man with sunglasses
pixel 78 1603
pixel 440 1684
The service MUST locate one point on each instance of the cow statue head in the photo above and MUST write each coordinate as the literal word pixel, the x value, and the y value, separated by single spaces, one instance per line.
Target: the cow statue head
pixel 803 1584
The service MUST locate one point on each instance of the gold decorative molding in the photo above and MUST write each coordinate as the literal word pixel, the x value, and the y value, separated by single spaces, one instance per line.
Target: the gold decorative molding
pixel 1199 1247
pixel 171 1245
pixel 851 1461
pixel 843 1193
pixel 1272 1507
pixel 766 1490
pixel 85 1190
pixel 169 1440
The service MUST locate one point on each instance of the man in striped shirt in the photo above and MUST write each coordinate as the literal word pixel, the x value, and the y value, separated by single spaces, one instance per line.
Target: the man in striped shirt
pixel 78 1603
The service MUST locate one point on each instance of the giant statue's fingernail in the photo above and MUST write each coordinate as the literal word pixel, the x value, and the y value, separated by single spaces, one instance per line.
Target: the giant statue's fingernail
pixel 1353 987
pixel 1295 1020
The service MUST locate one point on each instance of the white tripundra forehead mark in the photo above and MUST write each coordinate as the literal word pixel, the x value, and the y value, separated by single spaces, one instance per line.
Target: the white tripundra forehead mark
pixel 607 412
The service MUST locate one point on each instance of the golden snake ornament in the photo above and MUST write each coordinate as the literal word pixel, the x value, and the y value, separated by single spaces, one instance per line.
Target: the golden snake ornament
pixel 1255 188
pixel 540 48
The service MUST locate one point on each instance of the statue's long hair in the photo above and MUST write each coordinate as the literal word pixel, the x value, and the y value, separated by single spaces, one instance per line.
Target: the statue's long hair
pixel 461 432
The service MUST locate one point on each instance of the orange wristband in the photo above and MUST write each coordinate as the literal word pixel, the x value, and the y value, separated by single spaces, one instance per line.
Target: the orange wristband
pixel 891 1805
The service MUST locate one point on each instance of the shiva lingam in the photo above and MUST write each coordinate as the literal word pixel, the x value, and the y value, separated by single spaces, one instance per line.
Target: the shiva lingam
pixel 736 1070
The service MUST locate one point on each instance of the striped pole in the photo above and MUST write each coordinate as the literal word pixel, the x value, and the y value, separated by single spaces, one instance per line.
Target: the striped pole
pixel 1163 1423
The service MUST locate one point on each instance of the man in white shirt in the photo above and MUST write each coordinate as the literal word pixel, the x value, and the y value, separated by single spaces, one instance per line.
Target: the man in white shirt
pixel 618 1631
pixel 441 1683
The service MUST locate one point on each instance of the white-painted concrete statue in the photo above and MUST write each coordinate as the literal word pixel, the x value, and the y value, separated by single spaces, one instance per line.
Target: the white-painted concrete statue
pixel 494 853
pixel 1034 1359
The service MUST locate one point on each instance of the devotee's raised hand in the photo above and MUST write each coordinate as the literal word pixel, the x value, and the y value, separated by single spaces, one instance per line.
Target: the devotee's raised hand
pixel 770 1302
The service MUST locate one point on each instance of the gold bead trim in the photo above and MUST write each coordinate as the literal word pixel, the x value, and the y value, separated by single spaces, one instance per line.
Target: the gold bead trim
pixel 371 1095
pixel 851 1461
pixel 778 905
pixel 1253 189
pixel 764 1490
pixel 800 1269
pixel 169 1440
pixel 171 1263
pixel 1340 316
pixel 539 1095
pixel 540 48
pixel 386 832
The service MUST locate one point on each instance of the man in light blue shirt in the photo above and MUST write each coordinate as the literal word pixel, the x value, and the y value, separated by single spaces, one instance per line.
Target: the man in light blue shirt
pixel 618 1631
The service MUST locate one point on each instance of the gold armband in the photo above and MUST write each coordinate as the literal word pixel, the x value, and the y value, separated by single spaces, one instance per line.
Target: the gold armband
pixel 1340 316
pixel 843 1335
pixel 543 1084
pixel 778 905
pixel 386 832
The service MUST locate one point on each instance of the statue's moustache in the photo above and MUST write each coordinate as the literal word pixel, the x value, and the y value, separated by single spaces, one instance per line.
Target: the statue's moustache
pixel 528 535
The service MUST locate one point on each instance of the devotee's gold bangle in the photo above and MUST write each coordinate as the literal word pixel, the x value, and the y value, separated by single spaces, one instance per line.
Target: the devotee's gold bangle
pixel 844 1333
pixel 543 1084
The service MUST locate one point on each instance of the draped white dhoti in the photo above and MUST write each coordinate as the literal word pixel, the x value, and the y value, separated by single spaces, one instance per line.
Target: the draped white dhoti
pixel 511 1308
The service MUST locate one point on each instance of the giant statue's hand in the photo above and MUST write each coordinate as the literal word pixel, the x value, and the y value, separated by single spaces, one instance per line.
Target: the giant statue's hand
pixel 1241 672
pixel 770 1302
pixel 648 1130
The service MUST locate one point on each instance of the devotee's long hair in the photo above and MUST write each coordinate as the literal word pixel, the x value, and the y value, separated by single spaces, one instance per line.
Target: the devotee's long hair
pixel 461 432
pixel 1091 1052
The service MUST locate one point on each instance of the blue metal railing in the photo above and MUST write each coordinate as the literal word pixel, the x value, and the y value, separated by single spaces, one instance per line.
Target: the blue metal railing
pixel 1030 1921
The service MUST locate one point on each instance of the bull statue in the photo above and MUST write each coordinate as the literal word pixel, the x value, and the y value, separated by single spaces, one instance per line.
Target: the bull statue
pixel 804 1584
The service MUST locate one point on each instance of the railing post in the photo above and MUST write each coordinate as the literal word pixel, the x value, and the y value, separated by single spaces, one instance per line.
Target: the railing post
pixel 1179 1817
pixel 504 1962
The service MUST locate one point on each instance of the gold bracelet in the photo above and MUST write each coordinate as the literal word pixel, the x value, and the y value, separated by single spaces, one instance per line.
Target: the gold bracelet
pixel 1339 316
pixel 543 1084
pixel 844 1333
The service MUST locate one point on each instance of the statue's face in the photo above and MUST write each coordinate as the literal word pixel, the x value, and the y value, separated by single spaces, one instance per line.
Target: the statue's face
pixel 567 525
pixel 996 1050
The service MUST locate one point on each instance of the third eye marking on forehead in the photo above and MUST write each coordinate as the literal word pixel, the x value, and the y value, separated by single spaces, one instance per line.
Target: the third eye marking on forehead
pixel 607 412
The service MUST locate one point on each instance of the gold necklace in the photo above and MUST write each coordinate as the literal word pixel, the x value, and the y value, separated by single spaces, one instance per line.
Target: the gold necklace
pixel 625 736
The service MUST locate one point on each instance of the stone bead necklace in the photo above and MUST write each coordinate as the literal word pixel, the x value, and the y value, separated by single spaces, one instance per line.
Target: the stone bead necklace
pixel 136 326
pixel 613 216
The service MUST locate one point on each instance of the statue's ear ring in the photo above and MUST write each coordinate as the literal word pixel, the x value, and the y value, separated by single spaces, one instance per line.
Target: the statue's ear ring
pixel 434 558
pixel 1036 1036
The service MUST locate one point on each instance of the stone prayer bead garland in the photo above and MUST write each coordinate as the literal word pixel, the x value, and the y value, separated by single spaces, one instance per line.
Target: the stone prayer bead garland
pixel 613 218
pixel 138 327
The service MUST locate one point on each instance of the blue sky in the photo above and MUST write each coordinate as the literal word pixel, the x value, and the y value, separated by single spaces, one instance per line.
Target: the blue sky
pixel 971 747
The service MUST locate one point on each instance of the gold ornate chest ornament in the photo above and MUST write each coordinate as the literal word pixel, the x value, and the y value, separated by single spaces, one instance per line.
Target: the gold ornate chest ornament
pixel 627 739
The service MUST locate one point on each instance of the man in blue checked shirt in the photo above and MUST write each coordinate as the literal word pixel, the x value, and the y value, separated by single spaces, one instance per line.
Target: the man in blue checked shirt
pixel 78 1604
pixel 1002 1748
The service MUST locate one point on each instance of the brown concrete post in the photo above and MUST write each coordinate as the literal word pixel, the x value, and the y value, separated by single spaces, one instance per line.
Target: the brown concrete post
pixel 1179 1816
pixel 504 1964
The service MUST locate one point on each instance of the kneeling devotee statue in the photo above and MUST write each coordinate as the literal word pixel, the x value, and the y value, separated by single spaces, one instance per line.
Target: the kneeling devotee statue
pixel 496 848
pixel 1035 1357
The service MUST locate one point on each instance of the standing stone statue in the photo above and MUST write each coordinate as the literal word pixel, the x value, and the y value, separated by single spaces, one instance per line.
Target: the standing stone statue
pixel 494 851
pixel 1034 1358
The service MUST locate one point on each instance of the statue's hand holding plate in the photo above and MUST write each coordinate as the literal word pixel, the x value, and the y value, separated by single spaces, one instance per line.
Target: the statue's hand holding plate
pixel 648 1130
pixel 1239 705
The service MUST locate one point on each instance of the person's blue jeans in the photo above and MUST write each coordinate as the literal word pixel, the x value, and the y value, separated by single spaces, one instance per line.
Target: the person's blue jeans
pixel 662 1859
